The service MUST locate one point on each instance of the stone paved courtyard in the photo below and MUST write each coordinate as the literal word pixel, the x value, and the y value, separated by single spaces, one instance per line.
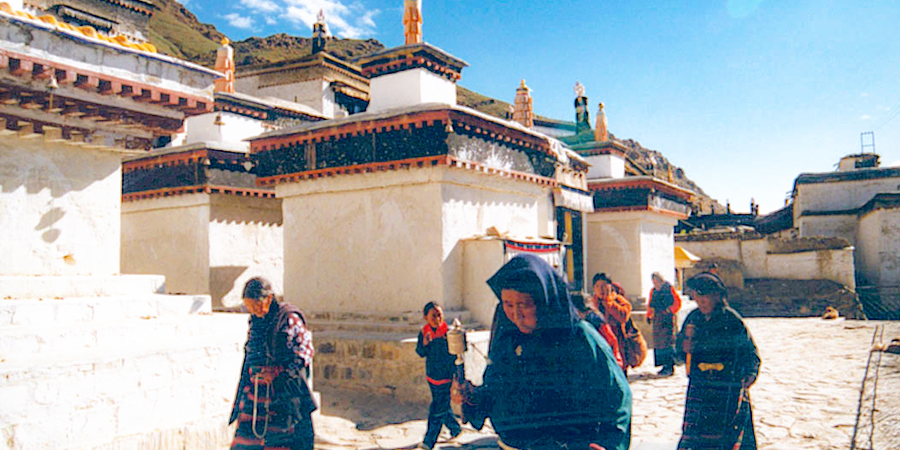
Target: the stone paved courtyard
pixel 806 397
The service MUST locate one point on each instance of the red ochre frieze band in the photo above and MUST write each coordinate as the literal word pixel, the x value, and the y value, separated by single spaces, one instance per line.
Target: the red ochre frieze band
pixel 638 208
pixel 428 161
pixel 202 189
pixel 640 184
pixel 411 62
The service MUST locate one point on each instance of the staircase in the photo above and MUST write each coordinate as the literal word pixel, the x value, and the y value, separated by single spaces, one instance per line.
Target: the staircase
pixel 114 364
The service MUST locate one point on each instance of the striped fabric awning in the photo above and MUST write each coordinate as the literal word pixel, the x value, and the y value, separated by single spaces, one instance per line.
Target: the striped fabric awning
pixel 548 251
pixel 575 199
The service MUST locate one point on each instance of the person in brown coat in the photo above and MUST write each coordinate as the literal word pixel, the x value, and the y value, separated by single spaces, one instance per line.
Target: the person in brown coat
pixel 616 309
pixel 664 304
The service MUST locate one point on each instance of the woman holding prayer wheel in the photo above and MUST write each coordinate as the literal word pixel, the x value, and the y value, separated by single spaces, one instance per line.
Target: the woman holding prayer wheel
pixel 552 381
pixel 722 363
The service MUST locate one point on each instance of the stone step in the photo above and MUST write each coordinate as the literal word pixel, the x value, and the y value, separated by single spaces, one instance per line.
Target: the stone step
pixel 29 312
pixel 87 342
pixel 49 287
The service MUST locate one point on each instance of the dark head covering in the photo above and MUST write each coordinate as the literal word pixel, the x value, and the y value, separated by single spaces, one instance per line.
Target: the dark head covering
pixel 532 275
pixel 706 283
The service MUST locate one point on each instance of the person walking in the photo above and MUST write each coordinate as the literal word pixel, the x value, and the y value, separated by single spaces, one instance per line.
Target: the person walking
pixel 273 404
pixel 661 313
pixel 722 363
pixel 439 368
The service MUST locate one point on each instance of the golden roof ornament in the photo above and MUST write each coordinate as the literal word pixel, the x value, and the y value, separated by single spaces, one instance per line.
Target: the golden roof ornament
pixel 523 111
pixel 601 131
pixel 412 21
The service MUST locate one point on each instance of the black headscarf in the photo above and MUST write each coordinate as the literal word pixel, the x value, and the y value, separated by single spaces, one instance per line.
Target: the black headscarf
pixel 532 275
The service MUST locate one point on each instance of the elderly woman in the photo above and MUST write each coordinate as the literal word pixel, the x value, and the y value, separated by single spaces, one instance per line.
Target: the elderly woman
pixel 552 380
pixel 722 363
pixel 273 404
pixel 664 304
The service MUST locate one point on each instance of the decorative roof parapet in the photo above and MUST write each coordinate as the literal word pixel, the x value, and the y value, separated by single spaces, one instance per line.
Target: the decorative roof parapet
pixel 413 56
pixel 86 31
pixel 642 182
pixel 319 33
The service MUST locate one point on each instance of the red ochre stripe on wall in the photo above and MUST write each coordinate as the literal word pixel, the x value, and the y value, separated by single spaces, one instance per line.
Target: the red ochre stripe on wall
pixel 182 190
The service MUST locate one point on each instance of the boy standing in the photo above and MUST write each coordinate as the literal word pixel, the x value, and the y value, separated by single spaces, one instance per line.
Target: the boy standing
pixel 439 368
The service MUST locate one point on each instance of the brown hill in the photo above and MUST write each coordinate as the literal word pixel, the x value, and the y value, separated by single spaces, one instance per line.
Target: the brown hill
pixel 175 31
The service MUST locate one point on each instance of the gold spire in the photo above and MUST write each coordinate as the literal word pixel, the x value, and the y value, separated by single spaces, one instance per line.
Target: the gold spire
pixel 225 64
pixel 412 21
pixel 601 133
pixel 524 109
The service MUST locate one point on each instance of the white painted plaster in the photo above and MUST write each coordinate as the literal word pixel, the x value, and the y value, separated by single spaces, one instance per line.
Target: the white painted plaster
pixel 317 93
pixel 169 236
pixel 842 226
pixel 834 265
pixel 60 206
pixel 245 241
pixel 839 196
pixel 878 247
pixel 389 241
pixel 629 246
pixel 408 88
pixel 605 166
pixel 754 257
pixel 234 129
pixel 482 258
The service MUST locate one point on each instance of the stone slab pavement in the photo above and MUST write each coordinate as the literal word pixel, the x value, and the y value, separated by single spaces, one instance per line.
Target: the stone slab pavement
pixel 806 397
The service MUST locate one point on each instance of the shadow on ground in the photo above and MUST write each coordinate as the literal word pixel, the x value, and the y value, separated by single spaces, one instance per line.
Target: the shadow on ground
pixel 368 412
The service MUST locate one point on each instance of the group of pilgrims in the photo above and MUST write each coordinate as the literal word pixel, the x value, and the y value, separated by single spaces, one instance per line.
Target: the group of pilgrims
pixel 556 371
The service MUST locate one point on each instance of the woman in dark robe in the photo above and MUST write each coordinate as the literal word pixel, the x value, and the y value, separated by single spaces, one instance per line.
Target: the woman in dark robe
pixel 274 403
pixel 723 363
pixel 552 380
pixel 664 304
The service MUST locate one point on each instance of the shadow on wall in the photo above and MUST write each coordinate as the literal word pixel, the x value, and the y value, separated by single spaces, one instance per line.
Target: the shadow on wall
pixel 222 281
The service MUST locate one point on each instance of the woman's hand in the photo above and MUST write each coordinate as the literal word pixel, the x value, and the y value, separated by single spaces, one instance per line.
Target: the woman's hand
pixel 426 338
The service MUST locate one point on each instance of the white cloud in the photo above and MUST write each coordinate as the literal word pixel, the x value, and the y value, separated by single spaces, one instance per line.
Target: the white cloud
pixel 344 20
pixel 263 6
pixel 271 20
pixel 238 21
pixel 865 117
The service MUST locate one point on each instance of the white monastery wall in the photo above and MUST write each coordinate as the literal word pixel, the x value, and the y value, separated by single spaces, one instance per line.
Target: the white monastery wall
pixel 408 88
pixel 245 241
pixel 614 247
pixel 168 236
pixel 313 93
pixel 657 251
pixel 754 254
pixel 364 243
pixel 605 166
pixel 834 265
pixel 60 206
pixel 472 203
pixel 482 258
pixel 236 128
pixel 878 247
pixel 723 249
pixel 840 196
pixel 843 226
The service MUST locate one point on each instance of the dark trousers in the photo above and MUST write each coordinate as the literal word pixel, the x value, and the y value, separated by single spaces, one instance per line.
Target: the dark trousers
pixel 439 414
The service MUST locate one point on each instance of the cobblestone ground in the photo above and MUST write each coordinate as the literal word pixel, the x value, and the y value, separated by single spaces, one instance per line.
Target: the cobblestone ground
pixel 878 419
pixel 806 397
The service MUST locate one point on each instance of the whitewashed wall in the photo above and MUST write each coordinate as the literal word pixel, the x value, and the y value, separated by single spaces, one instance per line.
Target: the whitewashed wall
pixel 388 242
pixel 838 225
pixel 245 241
pixel 59 208
pixel 878 247
pixel 836 265
pixel 316 94
pixel 234 130
pixel 408 88
pixel 629 246
pixel 605 166
pixel 168 236
pixel 838 196
pixel 482 258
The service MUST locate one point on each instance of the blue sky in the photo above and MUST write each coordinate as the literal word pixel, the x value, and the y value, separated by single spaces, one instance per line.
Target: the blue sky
pixel 743 94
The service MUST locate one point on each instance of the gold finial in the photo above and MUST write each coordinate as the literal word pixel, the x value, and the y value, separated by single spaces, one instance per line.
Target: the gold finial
pixel 225 40
pixel 523 83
